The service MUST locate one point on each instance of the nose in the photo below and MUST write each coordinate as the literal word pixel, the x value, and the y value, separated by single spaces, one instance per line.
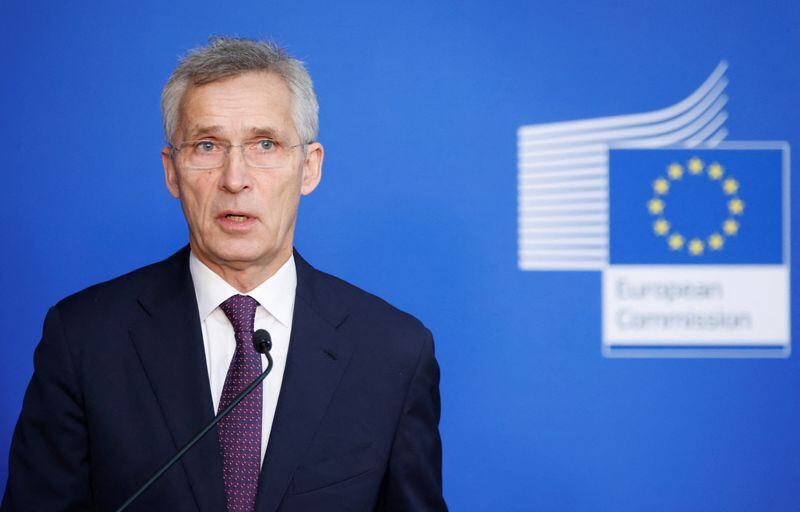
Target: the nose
pixel 235 177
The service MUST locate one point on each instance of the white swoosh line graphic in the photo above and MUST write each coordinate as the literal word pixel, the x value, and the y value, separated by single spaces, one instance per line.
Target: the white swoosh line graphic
pixel 562 174
pixel 630 119
pixel 708 106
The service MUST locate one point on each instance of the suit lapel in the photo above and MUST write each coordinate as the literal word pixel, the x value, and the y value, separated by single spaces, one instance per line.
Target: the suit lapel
pixel 318 356
pixel 168 340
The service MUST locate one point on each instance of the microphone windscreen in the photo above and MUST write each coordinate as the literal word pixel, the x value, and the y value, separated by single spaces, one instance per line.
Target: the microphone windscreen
pixel 262 341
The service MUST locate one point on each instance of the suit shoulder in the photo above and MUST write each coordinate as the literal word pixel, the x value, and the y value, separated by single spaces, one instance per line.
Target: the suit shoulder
pixel 108 295
pixel 373 311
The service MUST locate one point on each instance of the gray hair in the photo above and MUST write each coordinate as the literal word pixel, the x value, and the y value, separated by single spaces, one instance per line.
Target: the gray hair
pixel 227 57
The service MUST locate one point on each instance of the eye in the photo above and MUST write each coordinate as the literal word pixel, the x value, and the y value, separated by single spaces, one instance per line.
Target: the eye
pixel 265 145
pixel 205 146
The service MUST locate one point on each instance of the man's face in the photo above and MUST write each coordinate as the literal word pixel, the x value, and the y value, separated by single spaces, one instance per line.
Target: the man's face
pixel 241 218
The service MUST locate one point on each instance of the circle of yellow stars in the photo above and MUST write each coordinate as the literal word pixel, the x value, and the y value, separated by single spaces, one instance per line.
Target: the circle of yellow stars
pixel 695 245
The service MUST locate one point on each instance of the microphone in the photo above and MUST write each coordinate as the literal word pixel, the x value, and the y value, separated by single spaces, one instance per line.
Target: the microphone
pixel 262 343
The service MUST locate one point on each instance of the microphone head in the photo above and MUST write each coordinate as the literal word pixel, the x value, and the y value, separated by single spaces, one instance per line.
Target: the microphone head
pixel 262 341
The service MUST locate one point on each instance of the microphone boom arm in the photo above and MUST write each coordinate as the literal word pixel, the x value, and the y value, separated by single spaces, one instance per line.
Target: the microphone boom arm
pixel 200 434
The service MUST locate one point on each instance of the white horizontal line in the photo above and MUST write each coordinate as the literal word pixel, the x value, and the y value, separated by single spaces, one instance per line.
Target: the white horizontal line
pixel 572 201
pixel 529 221
pixel 559 230
pixel 588 264
pixel 583 196
pixel 527 176
pixel 576 208
pixel 583 240
pixel 564 185
pixel 555 154
pixel 560 154
pixel 567 162
pixel 755 144
pixel 585 199
pixel 547 243
pixel 565 175
pixel 556 253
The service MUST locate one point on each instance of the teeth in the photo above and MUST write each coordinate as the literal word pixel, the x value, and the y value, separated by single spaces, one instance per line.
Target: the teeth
pixel 236 218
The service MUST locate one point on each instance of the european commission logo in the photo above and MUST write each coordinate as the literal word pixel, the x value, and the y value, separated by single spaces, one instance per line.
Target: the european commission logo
pixel 689 231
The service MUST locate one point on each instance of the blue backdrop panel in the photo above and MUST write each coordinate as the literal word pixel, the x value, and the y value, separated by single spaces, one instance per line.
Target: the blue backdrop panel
pixel 420 103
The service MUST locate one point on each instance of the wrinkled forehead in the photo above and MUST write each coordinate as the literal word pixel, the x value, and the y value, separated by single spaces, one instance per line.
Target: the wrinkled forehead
pixel 253 103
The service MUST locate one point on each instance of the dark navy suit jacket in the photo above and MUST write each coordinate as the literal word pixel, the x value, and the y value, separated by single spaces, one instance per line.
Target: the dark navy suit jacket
pixel 120 383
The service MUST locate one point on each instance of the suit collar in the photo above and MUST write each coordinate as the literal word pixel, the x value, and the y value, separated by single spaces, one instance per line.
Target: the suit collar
pixel 168 337
pixel 317 294
pixel 318 356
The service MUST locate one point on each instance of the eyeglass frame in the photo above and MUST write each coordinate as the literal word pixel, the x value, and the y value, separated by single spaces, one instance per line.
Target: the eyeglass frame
pixel 227 149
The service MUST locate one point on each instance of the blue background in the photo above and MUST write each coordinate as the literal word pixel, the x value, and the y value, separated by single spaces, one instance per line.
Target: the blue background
pixel 696 206
pixel 420 106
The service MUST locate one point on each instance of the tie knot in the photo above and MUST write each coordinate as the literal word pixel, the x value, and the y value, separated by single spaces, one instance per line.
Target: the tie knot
pixel 241 311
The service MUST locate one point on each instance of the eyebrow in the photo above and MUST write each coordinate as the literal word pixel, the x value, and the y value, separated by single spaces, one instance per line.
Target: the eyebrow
pixel 264 131
pixel 198 130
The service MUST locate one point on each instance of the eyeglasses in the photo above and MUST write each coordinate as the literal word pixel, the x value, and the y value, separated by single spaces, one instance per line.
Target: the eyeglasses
pixel 211 154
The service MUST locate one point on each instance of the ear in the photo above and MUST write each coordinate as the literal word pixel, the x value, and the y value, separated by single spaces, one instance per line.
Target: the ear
pixel 170 173
pixel 312 168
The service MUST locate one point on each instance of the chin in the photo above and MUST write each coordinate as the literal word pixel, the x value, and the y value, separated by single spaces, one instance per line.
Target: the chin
pixel 229 251
pixel 230 255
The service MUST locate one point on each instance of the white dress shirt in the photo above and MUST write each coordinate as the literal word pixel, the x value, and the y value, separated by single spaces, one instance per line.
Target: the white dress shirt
pixel 276 299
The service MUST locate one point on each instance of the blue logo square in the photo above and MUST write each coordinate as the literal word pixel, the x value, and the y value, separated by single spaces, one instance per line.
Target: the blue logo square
pixel 695 206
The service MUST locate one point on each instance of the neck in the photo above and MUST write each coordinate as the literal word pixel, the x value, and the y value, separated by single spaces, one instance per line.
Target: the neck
pixel 244 276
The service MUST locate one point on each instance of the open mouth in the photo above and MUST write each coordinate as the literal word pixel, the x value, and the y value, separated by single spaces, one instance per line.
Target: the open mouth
pixel 234 219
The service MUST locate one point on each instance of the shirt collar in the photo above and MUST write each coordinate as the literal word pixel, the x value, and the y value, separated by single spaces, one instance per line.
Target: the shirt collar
pixel 276 294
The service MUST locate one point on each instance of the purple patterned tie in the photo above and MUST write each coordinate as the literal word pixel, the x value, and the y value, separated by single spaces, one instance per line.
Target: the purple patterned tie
pixel 240 431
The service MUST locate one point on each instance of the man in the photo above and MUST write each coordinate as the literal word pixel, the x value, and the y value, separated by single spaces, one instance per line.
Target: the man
pixel 129 370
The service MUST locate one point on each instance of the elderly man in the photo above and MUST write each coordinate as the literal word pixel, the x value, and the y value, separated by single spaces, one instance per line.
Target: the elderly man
pixel 129 370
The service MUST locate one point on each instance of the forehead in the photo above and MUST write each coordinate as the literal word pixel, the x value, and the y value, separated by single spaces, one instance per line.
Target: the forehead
pixel 243 103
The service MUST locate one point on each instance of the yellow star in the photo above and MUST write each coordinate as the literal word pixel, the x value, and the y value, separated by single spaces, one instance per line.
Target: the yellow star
pixel 696 247
pixel 730 186
pixel 675 241
pixel 661 227
pixel 661 186
pixel 736 206
pixel 675 171
pixel 695 166
pixel 715 171
pixel 716 241
pixel 655 206
pixel 730 227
